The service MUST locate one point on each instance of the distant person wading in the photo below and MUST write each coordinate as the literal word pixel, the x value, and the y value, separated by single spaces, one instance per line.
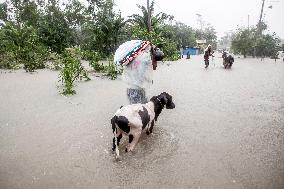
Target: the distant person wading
pixel 208 52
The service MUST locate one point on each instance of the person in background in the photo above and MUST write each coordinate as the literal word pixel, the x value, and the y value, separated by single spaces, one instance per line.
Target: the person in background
pixel 181 52
pixel 188 55
pixel 207 52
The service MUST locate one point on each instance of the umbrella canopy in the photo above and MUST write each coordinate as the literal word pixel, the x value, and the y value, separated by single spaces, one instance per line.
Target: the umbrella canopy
pixel 129 50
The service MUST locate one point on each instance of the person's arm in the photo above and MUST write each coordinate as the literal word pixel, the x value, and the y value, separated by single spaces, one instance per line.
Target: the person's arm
pixel 154 62
pixel 211 53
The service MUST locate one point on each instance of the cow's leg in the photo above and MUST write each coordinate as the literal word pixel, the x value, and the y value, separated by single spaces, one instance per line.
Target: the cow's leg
pixel 113 143
pixel 148 129
pixel 116 140
pixel 152 125
pixel 130 140
pixel 113 120
pixel 135 140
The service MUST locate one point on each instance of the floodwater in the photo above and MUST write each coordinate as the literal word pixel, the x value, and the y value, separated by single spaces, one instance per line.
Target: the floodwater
pixel 227 130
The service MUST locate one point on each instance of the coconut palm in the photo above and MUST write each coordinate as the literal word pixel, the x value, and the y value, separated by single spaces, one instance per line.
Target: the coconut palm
pixel 142 20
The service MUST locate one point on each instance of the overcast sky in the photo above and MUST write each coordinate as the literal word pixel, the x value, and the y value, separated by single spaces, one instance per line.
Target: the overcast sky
pixel 224 15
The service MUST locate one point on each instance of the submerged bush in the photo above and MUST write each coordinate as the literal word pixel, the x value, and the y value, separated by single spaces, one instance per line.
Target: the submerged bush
pixel 112 71
pixel 20 45
pixel 96 66
pixel 33 60
pixel 90 55
pixel 7 60
pixel 71 71
pixel 55 61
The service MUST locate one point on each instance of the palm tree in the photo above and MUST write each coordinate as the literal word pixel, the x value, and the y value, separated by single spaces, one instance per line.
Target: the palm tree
pixel 142 21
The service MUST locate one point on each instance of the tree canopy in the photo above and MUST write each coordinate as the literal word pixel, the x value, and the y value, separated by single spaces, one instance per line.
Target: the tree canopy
pixel 250 42
pixel 93 26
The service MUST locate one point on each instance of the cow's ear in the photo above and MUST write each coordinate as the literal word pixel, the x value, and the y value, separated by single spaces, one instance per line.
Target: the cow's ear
pixel 154 97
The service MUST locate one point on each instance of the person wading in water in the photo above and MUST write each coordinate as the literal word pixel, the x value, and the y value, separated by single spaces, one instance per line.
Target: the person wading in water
pixel 208 52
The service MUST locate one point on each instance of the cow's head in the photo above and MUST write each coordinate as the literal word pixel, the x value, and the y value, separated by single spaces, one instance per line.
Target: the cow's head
pixel 164 99
pixel 167 100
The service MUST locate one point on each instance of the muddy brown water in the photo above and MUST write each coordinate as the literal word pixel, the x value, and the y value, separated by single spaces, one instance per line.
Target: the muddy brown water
pixel 227 130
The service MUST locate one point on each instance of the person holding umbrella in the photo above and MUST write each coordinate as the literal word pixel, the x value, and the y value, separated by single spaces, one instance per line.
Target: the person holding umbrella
pixel 138 59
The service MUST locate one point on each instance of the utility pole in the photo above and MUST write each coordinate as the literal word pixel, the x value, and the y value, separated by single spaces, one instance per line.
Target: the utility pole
pixel 260 18
pixel 259 29
pixel 200 21
pixel 149 16
pixel 248 22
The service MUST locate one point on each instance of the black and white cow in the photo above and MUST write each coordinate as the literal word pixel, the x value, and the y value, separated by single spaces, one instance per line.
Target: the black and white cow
pixel 132 119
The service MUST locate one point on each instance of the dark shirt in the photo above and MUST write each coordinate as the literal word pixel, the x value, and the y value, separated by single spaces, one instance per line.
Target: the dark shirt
pixel 207 54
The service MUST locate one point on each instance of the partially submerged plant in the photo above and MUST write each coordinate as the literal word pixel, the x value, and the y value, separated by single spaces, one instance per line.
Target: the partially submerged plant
pixel 112 70
pixel 96 66
pixel 71 71
pixel 21 46
pixel 90 55
pixel 56 61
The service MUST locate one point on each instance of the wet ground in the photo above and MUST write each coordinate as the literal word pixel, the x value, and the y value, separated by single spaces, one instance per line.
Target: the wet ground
pixel 227 130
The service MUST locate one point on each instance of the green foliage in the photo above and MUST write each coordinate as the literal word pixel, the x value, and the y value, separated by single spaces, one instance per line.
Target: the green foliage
pixel 3 11
pixel 7 56
pixel 53 29
pixel 181 34
pixel 33 60
pixel 21 46
pixel 55 60
pixel 7 61
pixel 139 28
pixel 29 13
pixel 252 43
pixel 169 37
pixel 112 71
pixel 168 46
pixel 33 29
pixel 71 71
pixel 156 20
pixel 92 26
pixel 76 16
pixel 96 66
pixel 170 50
pixel 93 6
pixel 143 34
pixel 106 32
pixel 93 58
pixel 161 34
pixel 243 42
pixel 30 52
pixel 74 13
pixel 209 34
pixel 20 43
pixel 90 55
pixel 267 46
